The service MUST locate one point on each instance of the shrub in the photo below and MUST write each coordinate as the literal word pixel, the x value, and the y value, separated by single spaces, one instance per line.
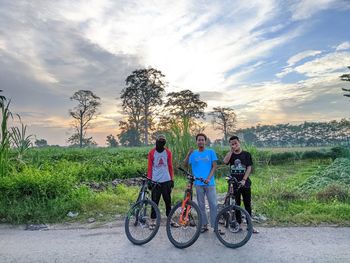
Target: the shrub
pixel 333 192
pixel 336 173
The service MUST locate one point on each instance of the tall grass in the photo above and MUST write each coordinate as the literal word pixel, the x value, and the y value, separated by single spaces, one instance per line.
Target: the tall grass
pixel 20 140
pixel 180 140
pixel 5 139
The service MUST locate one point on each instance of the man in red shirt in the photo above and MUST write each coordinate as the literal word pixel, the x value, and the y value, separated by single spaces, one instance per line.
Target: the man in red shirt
pixel 160 169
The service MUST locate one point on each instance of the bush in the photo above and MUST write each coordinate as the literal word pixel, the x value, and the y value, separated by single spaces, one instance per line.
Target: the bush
pixel 336 173
pixel 277 158
pixel 333 192
pixel 36 183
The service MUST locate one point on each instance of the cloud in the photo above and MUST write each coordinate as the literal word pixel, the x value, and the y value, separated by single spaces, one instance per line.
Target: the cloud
pixel 50 49
pixel 343 46
pixel 300 56
pixel 304 9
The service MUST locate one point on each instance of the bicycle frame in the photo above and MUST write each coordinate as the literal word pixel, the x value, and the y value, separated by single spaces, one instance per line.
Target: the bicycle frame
pixel 185 208
pixel 231 190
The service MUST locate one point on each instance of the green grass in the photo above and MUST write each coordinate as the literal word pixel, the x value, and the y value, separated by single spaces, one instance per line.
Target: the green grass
pixel 52 183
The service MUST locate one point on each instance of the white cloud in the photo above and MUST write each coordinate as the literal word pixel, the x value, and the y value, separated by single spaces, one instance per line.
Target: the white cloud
pixel 343 46
pixel 302 55
pixel 330 64
pixel 63 46
pixel 303 9
pixel 327 64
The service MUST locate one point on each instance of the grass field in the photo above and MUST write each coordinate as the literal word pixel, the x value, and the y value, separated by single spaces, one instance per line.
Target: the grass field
pixel 53 183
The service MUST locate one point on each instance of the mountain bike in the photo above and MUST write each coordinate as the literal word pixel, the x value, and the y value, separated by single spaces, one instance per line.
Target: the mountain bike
pixel 184 221
pixel 140 228
pixel 233 225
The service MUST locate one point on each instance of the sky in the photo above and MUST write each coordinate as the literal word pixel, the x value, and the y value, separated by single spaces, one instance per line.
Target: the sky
pixel 271 61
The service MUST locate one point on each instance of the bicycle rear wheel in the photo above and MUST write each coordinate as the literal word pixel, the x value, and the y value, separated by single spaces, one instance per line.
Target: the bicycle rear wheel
pixel 233 226
pixel 183 233
pixel 139 227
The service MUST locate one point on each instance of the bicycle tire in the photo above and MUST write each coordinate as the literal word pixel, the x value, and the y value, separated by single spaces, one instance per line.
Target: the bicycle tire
pixel 198 225
pixel 135 209
pixel 249 228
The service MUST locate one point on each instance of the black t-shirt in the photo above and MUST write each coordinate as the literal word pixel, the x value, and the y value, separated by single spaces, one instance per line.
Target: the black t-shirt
pixel 238 165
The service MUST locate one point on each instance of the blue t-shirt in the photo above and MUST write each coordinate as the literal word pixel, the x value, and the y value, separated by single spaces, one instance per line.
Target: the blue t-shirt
pixel 201 163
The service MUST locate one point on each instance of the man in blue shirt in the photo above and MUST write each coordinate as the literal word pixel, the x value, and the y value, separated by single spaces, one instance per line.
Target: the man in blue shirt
pixel 203 163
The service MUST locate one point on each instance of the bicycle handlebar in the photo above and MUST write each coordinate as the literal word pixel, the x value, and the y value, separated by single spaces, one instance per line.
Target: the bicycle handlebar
pixel 234 179
pixel 192 176
pixel 144 176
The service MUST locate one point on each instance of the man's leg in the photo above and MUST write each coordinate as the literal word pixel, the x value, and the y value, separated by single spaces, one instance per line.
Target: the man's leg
pixel 238 202
pixel 166 193
pixel 213 204
pixel 201 203
pixel 156 192
pixel 247 199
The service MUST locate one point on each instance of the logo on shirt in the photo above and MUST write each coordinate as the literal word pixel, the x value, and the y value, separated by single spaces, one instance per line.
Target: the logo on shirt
pixel 204 159
pixel 160 162
pixel 238 167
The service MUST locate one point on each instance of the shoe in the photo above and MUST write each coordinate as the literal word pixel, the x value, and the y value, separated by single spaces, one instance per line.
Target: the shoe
pixel 221 233
pixel 152 225
pixel 255 231
pixel 204 229
pixel 174 224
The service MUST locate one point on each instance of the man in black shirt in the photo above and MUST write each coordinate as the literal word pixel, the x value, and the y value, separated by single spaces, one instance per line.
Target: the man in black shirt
pixel 241 166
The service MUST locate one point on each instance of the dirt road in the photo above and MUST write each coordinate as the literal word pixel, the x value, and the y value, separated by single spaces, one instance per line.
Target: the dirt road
pixel 109 244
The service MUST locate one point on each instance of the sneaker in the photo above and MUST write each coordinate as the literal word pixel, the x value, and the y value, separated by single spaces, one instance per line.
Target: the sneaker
pixel 255 231
pixel 204 229
pixel 221 233
pixel 152 225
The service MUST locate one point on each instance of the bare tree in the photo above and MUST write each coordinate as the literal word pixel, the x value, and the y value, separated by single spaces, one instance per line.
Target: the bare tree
pixel 224 119
pixel 346 77
pixel 83 113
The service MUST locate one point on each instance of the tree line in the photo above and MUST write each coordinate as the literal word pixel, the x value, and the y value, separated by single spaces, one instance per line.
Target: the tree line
pixel 147 109
pixel 305 134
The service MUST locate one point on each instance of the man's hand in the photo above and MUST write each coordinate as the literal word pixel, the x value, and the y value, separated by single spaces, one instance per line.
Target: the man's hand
pixel 150 186
pixel 242 182
pixel 190 151
pixel 206 181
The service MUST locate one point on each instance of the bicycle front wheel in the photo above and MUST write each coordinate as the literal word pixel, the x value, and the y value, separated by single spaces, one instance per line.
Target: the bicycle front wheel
pixel 140 228
pixel 233 226
pixel 183 224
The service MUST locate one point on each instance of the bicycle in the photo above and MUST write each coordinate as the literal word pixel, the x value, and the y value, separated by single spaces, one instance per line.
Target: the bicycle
pixel 184 221
pixel 229 227
pixel 140 228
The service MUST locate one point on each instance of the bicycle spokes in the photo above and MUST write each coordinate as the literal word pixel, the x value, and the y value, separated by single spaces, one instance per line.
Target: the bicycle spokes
pixel 183 224
pixel 140 227
pixel 233 227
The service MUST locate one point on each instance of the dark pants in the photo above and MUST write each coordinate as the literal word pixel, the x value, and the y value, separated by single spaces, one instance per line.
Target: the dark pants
pixel 164 189
pixel 247 201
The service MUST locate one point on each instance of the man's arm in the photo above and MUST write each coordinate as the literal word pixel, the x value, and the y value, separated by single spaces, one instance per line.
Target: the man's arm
pixel 150 165
pixel 212 171
pixel 246 175
pixel 170 165
pixel 227 157
pixel 185 161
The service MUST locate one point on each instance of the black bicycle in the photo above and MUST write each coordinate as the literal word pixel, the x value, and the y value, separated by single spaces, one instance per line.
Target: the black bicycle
pixel 233 225
pixel 185 220
pixel 140 226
